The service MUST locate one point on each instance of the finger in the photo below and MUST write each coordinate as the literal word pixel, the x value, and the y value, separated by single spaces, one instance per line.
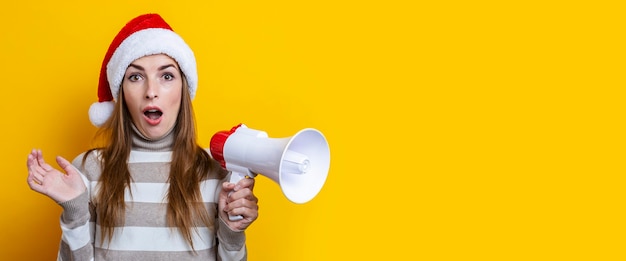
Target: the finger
pixel 35 186
pixel 35 168
pixel 248 213
pixel 39 157
pixel 243 202
pixel 33 165
pixel 29 159
pixel 245 183
pixel 33 180
pixel 242 194
pixel 41 162
pixel 32 158
pixel 38 177
pixel 227 187
pixel 66 165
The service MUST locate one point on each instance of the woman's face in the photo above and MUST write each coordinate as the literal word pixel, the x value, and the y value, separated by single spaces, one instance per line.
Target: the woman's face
pixel 152 88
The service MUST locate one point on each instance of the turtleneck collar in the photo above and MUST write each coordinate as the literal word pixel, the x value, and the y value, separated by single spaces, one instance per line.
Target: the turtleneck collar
pixel 142 143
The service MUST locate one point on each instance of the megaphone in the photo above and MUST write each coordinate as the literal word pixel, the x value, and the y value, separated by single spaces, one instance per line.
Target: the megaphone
pixel 299 164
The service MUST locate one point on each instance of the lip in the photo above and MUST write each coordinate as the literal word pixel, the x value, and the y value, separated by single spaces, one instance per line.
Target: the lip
pixel 149 120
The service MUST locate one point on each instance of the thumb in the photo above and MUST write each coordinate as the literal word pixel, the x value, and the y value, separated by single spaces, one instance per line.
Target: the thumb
pixel 227 188
pixel 223 193
pixel 66 165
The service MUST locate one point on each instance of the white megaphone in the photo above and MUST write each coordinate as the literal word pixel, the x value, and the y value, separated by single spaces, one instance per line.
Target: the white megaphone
pixel 299 164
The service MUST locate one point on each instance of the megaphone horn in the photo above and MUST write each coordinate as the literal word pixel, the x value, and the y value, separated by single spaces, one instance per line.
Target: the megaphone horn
pixel 299 164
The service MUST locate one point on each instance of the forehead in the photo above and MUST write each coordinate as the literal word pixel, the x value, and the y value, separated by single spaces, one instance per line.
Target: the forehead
pixel 156 60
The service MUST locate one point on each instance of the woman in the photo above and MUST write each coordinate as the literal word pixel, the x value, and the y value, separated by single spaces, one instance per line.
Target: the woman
pixel 150 193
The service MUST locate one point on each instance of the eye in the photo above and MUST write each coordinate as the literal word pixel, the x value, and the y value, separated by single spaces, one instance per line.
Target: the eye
pixel 134 77
pixel 168 76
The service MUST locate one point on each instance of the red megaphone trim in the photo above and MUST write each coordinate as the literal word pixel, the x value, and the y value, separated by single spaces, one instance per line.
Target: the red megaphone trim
pixel 217 144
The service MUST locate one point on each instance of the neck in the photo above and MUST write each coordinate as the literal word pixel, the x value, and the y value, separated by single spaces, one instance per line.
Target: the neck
pixel 143 143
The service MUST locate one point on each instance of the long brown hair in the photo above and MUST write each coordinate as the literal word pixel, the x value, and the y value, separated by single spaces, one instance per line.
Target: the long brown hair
pixel 189 166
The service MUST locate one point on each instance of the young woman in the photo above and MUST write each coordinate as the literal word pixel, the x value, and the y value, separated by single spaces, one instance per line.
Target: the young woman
pixel 150 193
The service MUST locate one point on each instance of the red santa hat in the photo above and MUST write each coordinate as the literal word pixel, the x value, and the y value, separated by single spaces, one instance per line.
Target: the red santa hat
pixel 146 34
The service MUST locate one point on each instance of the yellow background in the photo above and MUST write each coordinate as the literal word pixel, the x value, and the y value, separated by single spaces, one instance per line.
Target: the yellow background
pixel 459 130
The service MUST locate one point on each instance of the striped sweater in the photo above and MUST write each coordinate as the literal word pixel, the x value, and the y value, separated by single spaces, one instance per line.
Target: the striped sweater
pixel 145 235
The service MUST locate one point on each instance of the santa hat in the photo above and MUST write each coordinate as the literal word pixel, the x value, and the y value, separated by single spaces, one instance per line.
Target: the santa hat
pixel 146 34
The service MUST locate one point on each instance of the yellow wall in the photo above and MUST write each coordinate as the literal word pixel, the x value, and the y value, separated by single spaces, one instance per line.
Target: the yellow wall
pixel 459 130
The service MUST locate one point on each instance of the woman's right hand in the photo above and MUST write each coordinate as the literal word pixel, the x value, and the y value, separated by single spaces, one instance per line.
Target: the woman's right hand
pixel 55 184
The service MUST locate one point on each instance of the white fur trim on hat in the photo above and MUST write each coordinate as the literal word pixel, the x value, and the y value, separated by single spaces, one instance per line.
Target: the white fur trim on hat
pixel 148 42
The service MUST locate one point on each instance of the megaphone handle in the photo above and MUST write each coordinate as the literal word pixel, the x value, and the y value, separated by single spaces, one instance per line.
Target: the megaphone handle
pixel 234 178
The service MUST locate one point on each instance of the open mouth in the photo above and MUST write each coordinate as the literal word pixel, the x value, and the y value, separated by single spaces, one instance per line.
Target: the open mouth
pixel 153 114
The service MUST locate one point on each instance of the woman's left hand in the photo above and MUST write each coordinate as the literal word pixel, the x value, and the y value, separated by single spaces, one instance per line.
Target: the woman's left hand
pixel 238 199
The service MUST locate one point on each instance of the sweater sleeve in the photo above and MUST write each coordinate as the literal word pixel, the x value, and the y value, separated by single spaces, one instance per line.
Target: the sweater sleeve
pixel 76 228
pixel 232 244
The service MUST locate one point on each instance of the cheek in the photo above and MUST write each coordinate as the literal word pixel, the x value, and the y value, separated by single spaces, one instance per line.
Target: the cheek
pixel 130 100
pixel 131 95
pixel 175 104
pixel 175 98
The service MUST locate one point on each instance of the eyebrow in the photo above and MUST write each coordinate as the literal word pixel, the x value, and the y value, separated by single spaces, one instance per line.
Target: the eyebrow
pixel 160 68
pixel 166 66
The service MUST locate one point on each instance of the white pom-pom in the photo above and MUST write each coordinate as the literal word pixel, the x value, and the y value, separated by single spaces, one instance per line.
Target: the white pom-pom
pixel 100 112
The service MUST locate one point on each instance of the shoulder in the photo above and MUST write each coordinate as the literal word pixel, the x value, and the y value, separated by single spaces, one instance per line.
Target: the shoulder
pixel 214 167
pixel 89 164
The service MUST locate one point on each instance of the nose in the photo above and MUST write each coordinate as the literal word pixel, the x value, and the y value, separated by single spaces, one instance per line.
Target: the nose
pixel 151 90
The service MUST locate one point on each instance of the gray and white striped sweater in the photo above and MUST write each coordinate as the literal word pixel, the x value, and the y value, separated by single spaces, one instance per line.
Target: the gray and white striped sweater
pixel 145 234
